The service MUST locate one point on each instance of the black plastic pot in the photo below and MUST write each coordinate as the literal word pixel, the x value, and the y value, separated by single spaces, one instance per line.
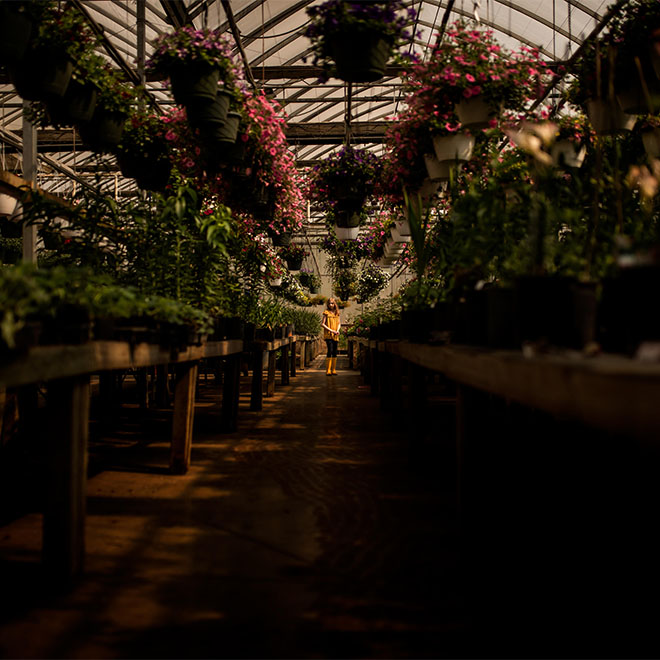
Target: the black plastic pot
pixel 501 318
pixel 103 132
pixel 627 313
pixel 15 30
pixel 76 106
pixel 42 75
pixel 359 55
pixel 555 310
pixel 203 112
pixel 280 240
pixel 193 82
pixel 294 263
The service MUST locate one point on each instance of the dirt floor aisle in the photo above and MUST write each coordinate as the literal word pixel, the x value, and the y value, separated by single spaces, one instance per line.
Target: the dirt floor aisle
pixel 313 531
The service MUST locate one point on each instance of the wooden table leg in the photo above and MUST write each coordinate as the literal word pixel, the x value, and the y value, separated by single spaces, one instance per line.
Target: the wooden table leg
pixel 351 346
pixel 256 399
pixel 272 363
pixel 64 511
pixel 184 413
pixel 285 365
pixel 294 349
pixel 231 392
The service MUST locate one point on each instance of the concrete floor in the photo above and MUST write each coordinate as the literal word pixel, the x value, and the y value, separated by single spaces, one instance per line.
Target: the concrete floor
pixel 316 530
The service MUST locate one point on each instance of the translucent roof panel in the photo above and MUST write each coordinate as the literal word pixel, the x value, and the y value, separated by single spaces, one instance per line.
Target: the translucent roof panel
pixel 273 45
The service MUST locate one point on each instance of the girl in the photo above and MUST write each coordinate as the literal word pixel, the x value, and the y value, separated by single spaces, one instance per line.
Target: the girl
pixel 331 326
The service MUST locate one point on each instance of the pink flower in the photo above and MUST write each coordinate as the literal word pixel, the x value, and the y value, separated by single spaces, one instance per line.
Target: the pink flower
pixel 170 136
pixel 470 78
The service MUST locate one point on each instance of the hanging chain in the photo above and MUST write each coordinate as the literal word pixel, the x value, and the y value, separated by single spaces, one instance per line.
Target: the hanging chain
pixel 475 10
pixel 570 31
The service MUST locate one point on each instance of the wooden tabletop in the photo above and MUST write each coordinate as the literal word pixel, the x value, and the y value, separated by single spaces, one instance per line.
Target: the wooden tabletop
pixel 611 392
pixel 44 363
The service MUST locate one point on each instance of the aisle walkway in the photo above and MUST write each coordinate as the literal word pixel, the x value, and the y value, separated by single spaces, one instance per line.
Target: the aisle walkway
pixel 313 531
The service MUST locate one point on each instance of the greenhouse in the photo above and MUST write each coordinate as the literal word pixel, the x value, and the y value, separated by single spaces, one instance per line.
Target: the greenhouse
pixel 327 328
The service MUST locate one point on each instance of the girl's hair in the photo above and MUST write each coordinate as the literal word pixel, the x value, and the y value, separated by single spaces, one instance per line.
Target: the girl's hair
pixel 327 303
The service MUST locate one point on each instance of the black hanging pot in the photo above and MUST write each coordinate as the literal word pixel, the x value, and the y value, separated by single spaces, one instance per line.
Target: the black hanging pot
pixel 15 30
pixel 194 82
pixel 203 112
pixel 347 218
pixel 225 133
pixel 359 55
pixel 280 240
pixel 156 176
pixel 76 106
pixel 103 132
pixel 294 263
pixel 42 75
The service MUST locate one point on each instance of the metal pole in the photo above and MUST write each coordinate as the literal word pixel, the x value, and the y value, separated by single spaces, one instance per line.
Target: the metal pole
pixel 141 21
pixel 29 174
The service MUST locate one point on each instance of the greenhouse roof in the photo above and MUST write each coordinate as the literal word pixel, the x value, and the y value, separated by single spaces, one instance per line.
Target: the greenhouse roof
pixel 272 43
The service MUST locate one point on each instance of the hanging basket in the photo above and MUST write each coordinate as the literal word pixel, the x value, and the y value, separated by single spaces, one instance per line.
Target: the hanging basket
pixel 280 240
pixel 194 82
pixel 15 30
pixel 403 227
pixel 398 237
pixel 632 97
pixel 276 281
pixel 359 55
pixel 7 205
pixel 156 176
pixel 474 112
pixel 203 112
pixel 608 118
pixel 42 75
pixel 346 233
pixel 567 154
pixel 347 218
pixel 436 170
pixel 103 133
pixel 453 148
pixel 76 106
pixel 221 135
pixel 294 263
pixel 651 141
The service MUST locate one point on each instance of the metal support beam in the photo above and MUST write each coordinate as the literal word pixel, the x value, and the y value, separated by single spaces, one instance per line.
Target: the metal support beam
pixel 237 38
pixel 29 174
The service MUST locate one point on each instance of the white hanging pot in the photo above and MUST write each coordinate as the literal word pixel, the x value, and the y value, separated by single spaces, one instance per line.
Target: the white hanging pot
pixel 608 118
pixel 400 238
pixel 8 204
pixel 451 148
pixel 651 140
pixel 436 170
pixel 567 153
pixel 474 112
pixel 347 233
pixel 403 226
pixel 276 281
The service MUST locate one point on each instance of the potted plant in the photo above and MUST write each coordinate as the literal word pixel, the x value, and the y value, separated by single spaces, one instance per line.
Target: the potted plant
pixel 294 255
pixel 649 127
pixel 370 281
pixel 143 152
pixel 632 34
pixel 60 37
pixel 17 23
pixel 569 147
pixel 478 76
pixel 195 61
pixel 354 40
pixel 114 103
pixel 592 89
pixel 345 179
pixel 310 280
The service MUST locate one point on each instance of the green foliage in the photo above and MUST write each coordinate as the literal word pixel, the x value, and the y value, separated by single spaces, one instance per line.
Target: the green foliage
pixel 370 281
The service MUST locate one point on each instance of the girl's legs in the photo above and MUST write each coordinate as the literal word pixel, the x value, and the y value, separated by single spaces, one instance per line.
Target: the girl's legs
pixel 328 362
